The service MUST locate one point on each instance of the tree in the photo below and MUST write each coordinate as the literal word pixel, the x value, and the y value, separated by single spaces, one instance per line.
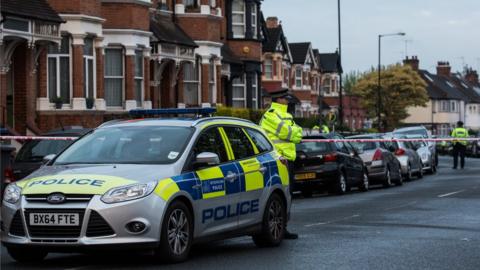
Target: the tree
pixel 350 80
pixel 402 87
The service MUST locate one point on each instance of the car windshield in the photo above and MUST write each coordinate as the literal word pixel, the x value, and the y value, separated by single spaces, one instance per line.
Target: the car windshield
pixel 34 151
pixel 313 147
pixel 365 146
pixel 128 145
pixel 417 132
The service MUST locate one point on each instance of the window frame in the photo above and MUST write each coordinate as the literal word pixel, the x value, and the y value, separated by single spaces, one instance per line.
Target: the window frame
pixel 196 82
pixel 212 81
pixel 243 24
pixel 58 57
pixel 244 85
pixel 86 78
pixel 139 99
pixel 254 17
pixel 298 77
pixel 105 77
pixel 242 128
pixel 255 91
pixel 270 146
pixel 268 63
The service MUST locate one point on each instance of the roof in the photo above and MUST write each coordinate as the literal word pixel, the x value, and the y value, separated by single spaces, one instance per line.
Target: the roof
pixel 273 36
pixel 466 88
pixel 31 9
pixel 177 122
pixel 440 87
pixel 329 62
pixel 166 31
pixel 299 52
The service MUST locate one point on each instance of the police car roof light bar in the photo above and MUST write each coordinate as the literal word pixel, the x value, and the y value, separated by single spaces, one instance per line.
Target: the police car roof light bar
pixel 205 112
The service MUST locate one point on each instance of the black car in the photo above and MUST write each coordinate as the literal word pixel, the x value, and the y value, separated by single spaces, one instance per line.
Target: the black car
pixel 30 156
pixel 336 167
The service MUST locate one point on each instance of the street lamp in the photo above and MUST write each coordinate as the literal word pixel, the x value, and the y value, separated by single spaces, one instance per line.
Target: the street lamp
pixel 379 94
pixel 340 71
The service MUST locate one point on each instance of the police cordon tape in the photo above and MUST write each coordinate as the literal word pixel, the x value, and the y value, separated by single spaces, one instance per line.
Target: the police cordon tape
pixel 29 138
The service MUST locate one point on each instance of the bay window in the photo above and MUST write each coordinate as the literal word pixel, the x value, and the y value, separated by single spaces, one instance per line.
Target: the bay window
pixel 190 84
pixel 298 77
pixel 327 85
pixel 139 77
pixel 238 18
pixel 114 75
pixel 88 68
pixel 268 68
pixel 239 92
pixel 58 71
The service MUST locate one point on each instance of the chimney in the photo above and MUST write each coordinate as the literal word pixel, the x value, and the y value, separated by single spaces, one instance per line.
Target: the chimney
pixel 472 76
pixel 272 22
pixel 412 62
pixel 444 69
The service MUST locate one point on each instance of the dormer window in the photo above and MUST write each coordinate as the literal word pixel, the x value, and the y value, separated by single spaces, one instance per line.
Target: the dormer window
pixel 238 18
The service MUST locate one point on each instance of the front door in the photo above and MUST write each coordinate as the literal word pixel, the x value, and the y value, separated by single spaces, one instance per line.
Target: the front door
pixel 10 97
pixel 217 207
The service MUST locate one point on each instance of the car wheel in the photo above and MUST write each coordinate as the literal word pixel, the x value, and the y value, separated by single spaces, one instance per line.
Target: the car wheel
pixel 26 255
pixel 307 193
pixel 273 225
pixel 340 187
pixel 388 179
pixel 177 233
pixel 365 184
pixel 409 175
pixel 433 168
pixel 400 177
pixel 420 173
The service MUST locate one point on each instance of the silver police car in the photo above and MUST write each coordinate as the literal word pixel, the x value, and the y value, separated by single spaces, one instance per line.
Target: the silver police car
pixel 162 184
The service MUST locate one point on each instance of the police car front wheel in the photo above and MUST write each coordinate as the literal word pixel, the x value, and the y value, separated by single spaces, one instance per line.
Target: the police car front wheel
pixel 26 254
pixel 273 224
pixel 177 233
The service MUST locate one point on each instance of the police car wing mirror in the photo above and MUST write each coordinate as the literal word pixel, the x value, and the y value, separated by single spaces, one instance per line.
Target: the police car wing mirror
pixel 206 159
pixel 46 159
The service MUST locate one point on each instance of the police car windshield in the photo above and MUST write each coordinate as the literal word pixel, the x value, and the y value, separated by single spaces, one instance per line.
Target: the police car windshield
pixel 128 145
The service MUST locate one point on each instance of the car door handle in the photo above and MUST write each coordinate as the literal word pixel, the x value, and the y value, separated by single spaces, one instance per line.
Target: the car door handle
pixel 197 186
pixel 263 170
pixel 231 177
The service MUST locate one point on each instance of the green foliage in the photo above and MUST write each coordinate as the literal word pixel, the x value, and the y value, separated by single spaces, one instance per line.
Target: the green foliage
pixel 402 87
pixel 248 114
pixel 350 80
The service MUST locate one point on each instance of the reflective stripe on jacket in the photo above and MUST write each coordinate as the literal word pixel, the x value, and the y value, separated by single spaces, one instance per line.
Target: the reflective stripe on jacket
pixel 460 133
pixel 282 130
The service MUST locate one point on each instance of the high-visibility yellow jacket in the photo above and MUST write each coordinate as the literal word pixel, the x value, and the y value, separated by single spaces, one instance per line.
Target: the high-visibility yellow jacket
pixel 282 130
pixel 325 129
pixel 460 133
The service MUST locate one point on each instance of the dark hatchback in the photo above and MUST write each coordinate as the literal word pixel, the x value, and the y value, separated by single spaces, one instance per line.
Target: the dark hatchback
pixel 30 156
pixel 334 166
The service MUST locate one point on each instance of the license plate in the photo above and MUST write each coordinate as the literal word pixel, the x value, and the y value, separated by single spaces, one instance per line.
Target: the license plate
pixel 305 176
pixel 57 219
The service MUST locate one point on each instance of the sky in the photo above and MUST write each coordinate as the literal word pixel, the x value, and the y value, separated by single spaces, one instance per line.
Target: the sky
pixel 436 30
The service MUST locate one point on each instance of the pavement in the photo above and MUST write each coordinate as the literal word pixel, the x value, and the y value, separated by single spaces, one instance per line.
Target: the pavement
pixel 432 223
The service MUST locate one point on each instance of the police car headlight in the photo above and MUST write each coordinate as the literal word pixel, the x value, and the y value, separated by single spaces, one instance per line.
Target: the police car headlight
pixel 12 194
pixel 128 193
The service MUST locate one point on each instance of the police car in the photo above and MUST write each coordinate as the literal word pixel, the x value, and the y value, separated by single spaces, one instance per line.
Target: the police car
pixel 162 184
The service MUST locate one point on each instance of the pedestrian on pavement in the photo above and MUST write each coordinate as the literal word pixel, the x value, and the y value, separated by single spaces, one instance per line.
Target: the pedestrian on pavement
pixel 284 133
pixel 459 146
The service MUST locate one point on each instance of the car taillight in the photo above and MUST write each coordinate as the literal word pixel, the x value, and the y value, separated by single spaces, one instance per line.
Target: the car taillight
pixel 377 155
pixel 8 176
pixel 400 152
pixel 330 158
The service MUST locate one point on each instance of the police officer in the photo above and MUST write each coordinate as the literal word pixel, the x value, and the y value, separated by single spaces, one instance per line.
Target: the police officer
pixel 460 146
pixel 325 129
pixel 284 133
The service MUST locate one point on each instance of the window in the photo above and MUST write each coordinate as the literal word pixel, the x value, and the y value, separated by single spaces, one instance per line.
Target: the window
pixel 238 18
pixel 88 68
pixel 259 140
pixel 211 141
pixel 139 77
pixel 340 145
pixel 114 77
pixel 444 106
pixel 241 145
pixel 286 76
pixel 327 85
pixel 453 106
pixel 268 68
pixel 59 70
pixel 211 84
pixel 255 91
pixel 17 24
pixel 190 84
pixel 190 4
pixel 254 20
pixel 298 77
pixel 239 96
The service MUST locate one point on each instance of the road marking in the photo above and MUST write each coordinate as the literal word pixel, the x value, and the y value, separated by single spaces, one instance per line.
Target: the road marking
pixel 331 221
pixel 450 194
pixel 400 206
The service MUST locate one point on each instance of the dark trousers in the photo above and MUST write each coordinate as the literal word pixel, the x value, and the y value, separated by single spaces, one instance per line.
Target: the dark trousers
pixel 459 150
pixel 291 174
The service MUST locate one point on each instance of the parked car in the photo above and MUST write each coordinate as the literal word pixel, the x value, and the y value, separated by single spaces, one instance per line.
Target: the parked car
pixel 336 167
pixel 30 156
pixel 425 153
pixel 409 159
pixel 444 147
pixel 419 131
pixel 383 168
